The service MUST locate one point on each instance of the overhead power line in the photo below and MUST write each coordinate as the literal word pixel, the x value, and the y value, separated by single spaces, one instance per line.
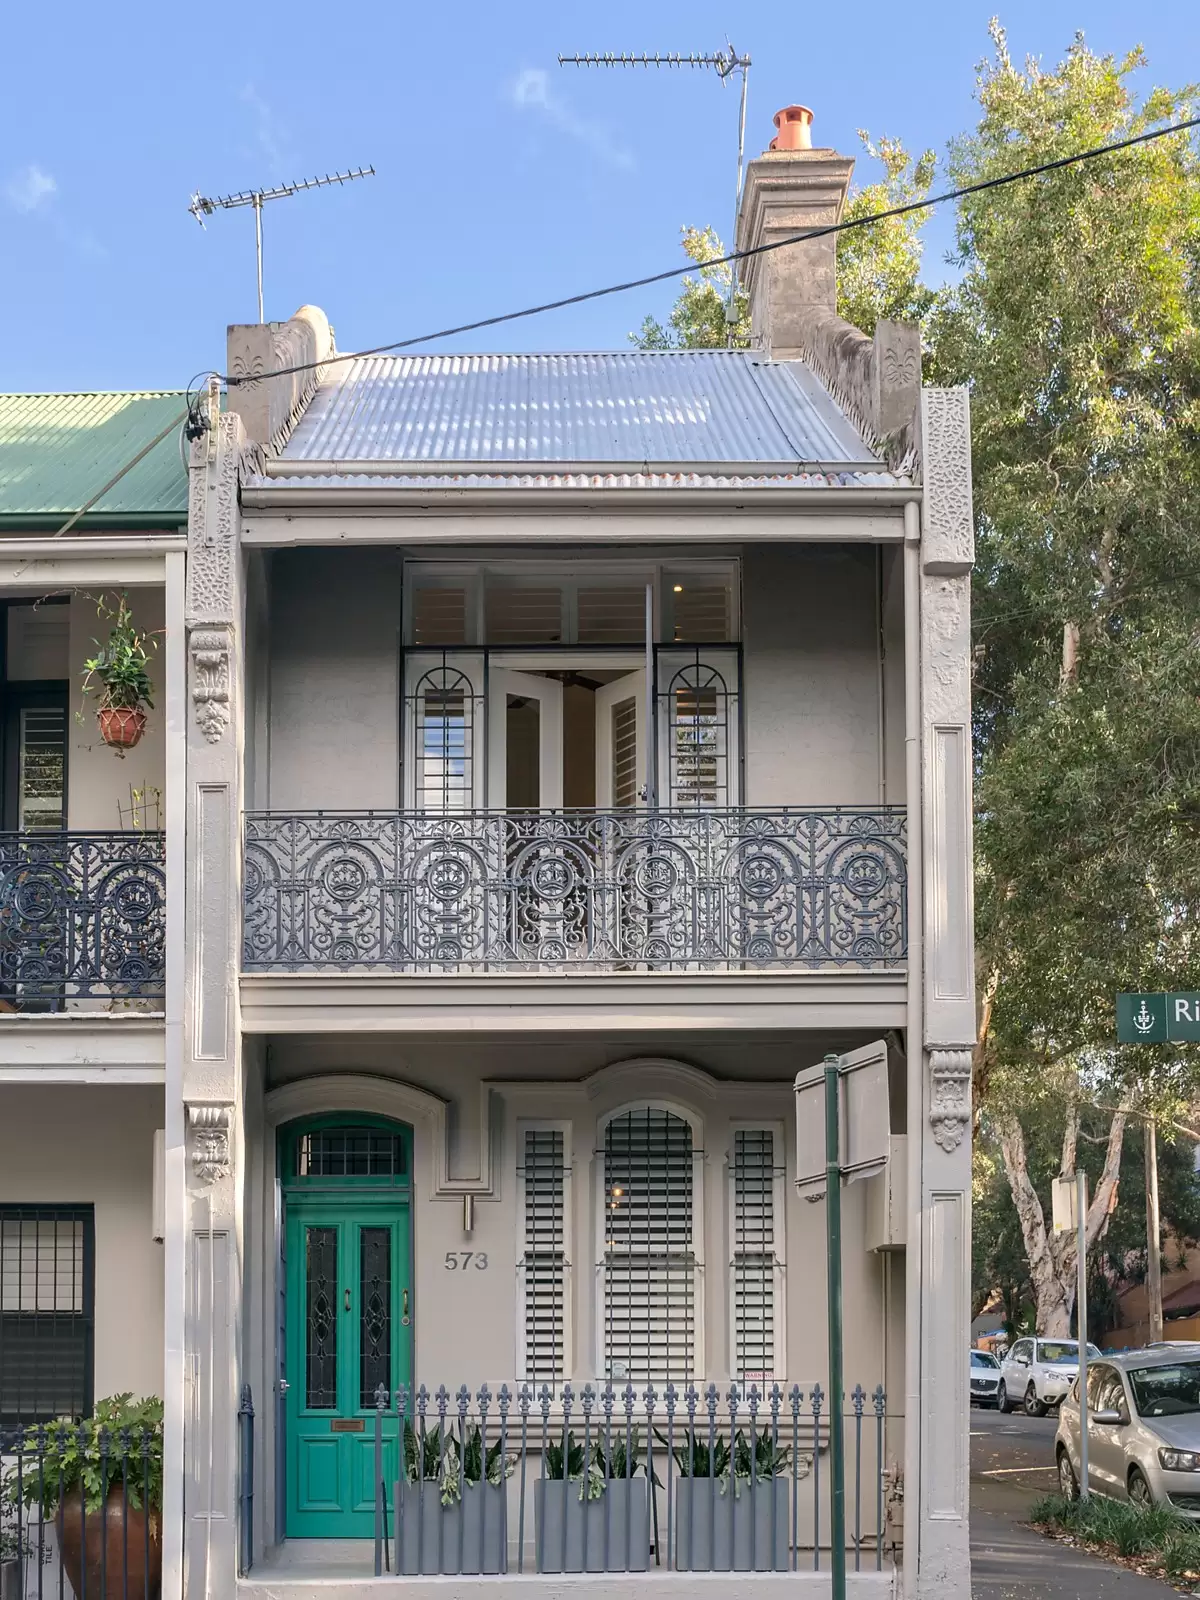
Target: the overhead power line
pixel 233 380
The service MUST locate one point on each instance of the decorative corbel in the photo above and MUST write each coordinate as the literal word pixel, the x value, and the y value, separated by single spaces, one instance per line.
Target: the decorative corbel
pixel 210 681
pixel 210 1128
pixel 950 1096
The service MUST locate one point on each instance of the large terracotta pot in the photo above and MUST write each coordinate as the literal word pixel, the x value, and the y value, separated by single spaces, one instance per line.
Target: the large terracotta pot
pixel 121 726
pixel 116 1546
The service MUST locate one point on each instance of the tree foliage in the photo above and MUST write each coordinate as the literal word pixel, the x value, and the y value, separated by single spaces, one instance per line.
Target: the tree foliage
pixel 698 317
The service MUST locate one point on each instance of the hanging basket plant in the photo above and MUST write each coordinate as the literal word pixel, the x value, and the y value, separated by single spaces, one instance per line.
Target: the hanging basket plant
pixel 119 674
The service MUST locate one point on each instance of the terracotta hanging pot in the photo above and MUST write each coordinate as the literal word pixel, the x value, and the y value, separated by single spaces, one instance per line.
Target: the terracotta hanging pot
pixel 114 1553
pixel 121 726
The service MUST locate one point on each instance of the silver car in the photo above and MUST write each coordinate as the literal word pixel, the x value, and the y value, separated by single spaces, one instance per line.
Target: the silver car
pixel 1036 1373
pixel 1143 1428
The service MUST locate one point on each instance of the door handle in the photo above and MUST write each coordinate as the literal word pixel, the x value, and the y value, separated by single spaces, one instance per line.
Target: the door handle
pixel 404 1317
pixel 347 1300
pixel 284 1386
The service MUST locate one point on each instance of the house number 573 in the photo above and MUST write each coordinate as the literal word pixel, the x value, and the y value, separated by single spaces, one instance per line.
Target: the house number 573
pixel 460 1260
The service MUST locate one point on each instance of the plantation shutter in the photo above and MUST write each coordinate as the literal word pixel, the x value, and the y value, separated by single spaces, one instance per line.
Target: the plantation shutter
pixel 752 1277
pixel 650 1262
pixel 543 1264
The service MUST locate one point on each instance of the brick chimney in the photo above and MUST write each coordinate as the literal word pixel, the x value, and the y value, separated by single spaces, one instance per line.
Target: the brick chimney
pixel 792 186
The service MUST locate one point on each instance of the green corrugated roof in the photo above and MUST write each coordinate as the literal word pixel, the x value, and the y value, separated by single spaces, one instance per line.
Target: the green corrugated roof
pixel 56 450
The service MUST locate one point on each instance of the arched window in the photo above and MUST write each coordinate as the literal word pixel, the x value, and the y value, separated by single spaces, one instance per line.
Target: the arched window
pixel 650 1306
pixel 444 700
pixel 698 738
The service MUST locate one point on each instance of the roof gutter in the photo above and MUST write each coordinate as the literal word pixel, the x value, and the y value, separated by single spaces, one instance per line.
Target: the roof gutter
pixel 591 497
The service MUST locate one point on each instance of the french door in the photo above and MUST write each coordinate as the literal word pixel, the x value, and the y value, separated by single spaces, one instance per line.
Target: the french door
pixel 348 1332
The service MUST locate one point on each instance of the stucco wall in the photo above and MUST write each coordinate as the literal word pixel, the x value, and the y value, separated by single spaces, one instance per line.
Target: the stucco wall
pixel 94 1145
pixel 466 1325
pixel 98 780
pixel 334 670
pixel 811 694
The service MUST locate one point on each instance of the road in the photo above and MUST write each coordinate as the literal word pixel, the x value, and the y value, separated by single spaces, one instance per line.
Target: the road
pixel 1012 1464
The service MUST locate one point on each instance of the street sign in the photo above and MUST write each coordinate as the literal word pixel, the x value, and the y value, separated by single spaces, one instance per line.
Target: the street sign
pixel 1158 1018
pixel 863 1119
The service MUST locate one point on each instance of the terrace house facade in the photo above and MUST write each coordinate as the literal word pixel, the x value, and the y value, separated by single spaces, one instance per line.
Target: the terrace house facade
pixel 568 751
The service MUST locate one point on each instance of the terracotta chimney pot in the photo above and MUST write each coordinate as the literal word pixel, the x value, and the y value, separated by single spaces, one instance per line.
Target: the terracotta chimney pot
pixel 795 129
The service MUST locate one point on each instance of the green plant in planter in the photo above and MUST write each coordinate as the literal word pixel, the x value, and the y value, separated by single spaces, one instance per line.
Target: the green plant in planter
pixel 623 1461
pixel 757 1459
pixel 450 1464
pixel 120 1443
pixel 119 671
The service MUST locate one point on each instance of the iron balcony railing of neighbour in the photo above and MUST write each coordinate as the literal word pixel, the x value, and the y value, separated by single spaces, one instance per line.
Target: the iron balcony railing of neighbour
pixel 620 890
pixel 99 1542
pixel 618 1479
pixel 82 917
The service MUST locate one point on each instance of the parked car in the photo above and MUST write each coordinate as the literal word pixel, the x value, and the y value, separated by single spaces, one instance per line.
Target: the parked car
pixel 985 1378
pixel 1143 1429
pixel 1036 1374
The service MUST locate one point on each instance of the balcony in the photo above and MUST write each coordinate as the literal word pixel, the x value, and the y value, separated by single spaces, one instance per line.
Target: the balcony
pixel 588 891
pixel 82 920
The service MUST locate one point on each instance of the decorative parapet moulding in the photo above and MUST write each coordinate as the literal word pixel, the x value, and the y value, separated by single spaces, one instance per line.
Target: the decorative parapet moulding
pixel 950 1096
pixel 210 1152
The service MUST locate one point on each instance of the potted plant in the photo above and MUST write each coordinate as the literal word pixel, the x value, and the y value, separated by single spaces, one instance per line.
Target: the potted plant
pixel 119 674
pixel 592 1507
pixel 100 1481
pixel 731 1505
pixel 451 1516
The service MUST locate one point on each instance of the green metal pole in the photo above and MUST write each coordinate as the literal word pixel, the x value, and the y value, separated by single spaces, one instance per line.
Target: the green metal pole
pixel 833 1240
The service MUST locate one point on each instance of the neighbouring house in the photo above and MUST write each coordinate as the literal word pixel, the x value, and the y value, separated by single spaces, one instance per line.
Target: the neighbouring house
pixel 574 749
pixel 82 900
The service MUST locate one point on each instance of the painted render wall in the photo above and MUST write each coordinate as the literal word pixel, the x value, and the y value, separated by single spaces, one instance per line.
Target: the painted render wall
pixel 94 1145
pixel 467 1325
pixel 813 694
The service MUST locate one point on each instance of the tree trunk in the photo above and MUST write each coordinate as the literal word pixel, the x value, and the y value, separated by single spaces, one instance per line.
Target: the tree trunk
pixel 1052 1258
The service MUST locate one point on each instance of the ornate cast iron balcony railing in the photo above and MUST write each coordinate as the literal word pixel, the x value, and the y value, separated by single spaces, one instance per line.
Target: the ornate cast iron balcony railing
pixel 82 916
pixel 615 890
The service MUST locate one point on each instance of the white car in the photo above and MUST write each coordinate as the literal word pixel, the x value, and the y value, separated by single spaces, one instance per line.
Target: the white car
pixel 985 1378
pixel 1036 1374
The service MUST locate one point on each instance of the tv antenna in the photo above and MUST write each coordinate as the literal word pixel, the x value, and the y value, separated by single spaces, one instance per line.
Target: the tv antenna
pixel 202 206
pixel 724 63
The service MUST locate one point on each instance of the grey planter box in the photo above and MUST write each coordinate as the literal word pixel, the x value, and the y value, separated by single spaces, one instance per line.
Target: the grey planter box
pixel 434 1540
pixel 742 1532
pixel 619 1516
pixel 10 1580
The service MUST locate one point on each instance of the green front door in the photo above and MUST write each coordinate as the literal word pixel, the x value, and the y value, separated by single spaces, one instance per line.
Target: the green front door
pixel 348 1331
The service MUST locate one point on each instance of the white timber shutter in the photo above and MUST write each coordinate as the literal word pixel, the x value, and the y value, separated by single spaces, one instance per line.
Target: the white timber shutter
pixel 649 1263
pixel 543 1263
pixel 754 1266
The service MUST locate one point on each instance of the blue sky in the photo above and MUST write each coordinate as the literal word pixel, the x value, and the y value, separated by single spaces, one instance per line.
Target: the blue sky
pixel 502 179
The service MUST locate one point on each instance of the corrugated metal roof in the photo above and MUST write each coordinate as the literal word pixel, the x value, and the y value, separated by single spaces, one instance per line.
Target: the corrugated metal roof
pixel 578 480
pixel 56 450
pixel 622 407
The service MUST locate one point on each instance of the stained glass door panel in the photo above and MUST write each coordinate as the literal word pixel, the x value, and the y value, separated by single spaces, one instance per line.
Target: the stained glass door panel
pixel 347 1279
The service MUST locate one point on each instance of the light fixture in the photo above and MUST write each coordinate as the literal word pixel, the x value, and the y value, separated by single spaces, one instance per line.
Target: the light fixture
pixel 678 588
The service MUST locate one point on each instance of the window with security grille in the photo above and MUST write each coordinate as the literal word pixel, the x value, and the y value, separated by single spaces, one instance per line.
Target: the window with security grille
pixel 445 704
pixel 753 1267
pixel 701 739
pixel 350 1152
pixel 649 1202
pixel 543 1266
pixel 47 1294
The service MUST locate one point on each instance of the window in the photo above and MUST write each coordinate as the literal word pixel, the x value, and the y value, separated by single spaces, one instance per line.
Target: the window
pixel 755 1256
pixel 445 740
pixel 349 1152
pixel 649 1204
pixel 543 1266
pixel 698 735
pixel 47 1256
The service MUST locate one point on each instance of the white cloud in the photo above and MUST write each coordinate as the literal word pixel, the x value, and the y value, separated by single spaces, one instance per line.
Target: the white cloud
pixel 531 92
pixel 270 134
pixel 29 189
